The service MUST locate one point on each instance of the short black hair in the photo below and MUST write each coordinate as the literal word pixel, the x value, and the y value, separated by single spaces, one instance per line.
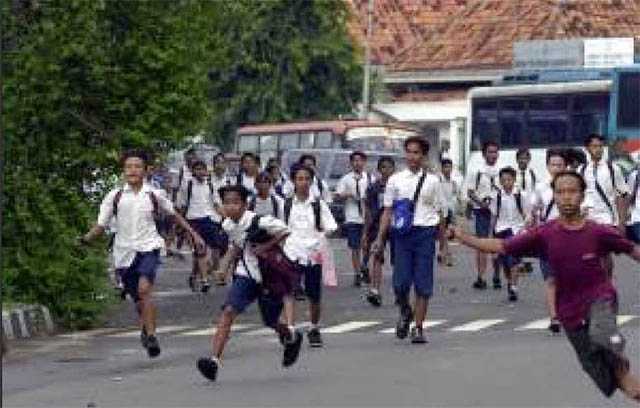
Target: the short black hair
pixel 264 175
pixel 556 153
pixel 138 153
pixel 523 151
pixel 272 168
pixel 357 153
pixel 219 156
pixel 570 173
pixel 487 144
pixel 296 167
pixel 508 170
pixel 234 188
pixel 591 137
pixel 307 156
pixel 198 163
pixel 386 159
pixel 575 156
pixel 420 141
pixel 444 162
pixel 250 155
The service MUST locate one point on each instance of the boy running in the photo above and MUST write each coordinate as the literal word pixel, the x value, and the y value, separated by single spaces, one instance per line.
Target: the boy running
pixel 247 286
pixel 586 298
pixel 372 212
pixel 266 202
pixel 137 245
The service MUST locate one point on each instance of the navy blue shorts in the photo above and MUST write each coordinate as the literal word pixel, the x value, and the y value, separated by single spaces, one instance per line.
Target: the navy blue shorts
pixel 483 222
pixel 211 232
pixel 245 291
pixel 312 282
pixel 507 261
pixel 633 232
pixel 414 262
pixel 354 234
pixel 144 265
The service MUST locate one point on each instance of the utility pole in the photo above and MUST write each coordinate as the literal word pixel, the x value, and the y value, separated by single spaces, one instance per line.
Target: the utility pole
pixel 364 113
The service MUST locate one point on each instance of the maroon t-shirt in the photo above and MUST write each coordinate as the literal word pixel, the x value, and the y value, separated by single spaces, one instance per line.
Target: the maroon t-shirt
pixel 576 258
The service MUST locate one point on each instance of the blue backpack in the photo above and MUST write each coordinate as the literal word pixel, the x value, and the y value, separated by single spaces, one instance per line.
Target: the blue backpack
pixel 404 210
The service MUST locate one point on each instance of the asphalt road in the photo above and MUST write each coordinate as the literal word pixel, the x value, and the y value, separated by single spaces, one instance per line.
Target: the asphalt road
pixel 482 351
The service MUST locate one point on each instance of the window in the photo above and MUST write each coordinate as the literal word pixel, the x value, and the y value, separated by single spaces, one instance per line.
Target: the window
pixel 590 115
pixel 485 122
pixel 268 143
pixel 248 143
pixel 289 141
pixel 512 124
pixel 306 140
pixel 324 139
pixel 548 122
pixel 629 100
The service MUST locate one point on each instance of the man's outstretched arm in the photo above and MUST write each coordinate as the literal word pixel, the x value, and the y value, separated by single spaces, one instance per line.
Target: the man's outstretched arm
pixel 491 245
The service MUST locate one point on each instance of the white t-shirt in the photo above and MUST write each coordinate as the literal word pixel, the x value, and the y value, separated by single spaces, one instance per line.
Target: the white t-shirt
pixel 509 216
pixel 598 210
pixel 451 193
pixel 356 185
pixel 202 200
pixel 429 204
pixel 526 180
pixel 485 185
pixel 314 190
pixel 265 207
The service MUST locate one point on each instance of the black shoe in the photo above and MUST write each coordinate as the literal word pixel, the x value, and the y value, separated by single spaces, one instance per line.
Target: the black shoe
pixel 144 338
pixel 208 368
pixel 513 293
pixel 417 336
pixel 404 322
pixel 205 287
pixel 315 339
pixel 365 277
pixel 497 283
pixel 554 326
pixel 480 284
pixel 153 347
pixel 374 298
pixel 357 280
pixel 192 283
pixel 292 349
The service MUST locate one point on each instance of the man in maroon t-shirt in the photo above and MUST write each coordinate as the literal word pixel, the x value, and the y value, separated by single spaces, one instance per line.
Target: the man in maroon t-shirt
pixel 586 298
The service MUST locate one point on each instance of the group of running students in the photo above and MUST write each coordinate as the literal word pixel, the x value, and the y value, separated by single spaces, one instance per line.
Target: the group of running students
pixel 268 231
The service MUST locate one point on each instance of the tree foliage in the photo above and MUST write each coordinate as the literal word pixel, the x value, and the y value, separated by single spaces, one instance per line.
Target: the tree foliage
pixel 83 79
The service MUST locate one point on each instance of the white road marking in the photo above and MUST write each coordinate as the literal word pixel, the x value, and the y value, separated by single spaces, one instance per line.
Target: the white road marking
pixel 83 334
pixel 266 331
pixel 622 319
pixel 535 325
pixel 173 293
pixel 159 330
pixel 347 327
pixel 477 325
pixel 210 331
pixel 427 324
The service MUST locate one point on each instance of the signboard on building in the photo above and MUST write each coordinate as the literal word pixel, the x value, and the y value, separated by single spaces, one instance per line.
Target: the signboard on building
pixel 608 52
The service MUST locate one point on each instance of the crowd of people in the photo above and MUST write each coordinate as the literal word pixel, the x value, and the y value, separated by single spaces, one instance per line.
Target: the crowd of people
pixel 264 233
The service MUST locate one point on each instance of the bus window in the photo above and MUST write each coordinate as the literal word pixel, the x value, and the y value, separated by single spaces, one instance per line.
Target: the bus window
pixel 548 120
pixel 248 143
pixel 268 143
pixel 289 141
pixel 324 139
pixel 629 100
pixel 590 115
pixel 485 122
pixel 306 140
pixel 512 122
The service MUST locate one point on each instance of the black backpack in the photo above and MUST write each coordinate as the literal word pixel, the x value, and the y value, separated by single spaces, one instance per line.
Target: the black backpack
pixel 154 201
pixel 316 212
pixel 190 192
pixel 274 204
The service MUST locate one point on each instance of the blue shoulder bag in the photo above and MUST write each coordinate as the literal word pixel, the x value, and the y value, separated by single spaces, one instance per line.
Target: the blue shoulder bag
pixel 404 210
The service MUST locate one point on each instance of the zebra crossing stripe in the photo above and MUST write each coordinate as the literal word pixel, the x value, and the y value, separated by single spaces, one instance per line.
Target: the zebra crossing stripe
pixel 347 327
pixel 210 331
pixel 477 325
pixel 622 319
pixel 84 334
pixel 535 325
pixel 426 324
pixel 159 330
pixel 268 331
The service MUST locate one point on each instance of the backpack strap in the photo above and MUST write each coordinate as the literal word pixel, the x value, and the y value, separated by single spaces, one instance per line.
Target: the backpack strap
pixel 180 177
pixel 547 211
pixel 116 201
pixel 252 203
pixel 478 180
pixel 582 169
pixel 288 203
pixel 239 178
pixel 156 205
pixel 419 187
pixel 274 205
pixel 612 174
pixel 189 193
pixel 320 186
pixel 636 187
pixel 533 177
pixel 316 214
pixel 518 198
pixel 498 203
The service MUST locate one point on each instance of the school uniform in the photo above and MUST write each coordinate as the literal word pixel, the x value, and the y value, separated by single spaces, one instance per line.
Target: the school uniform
pixel 633 228
pixel 247 277
pixel 374 203
pixel 200 212
pixel 318 189
pixel 526 181
pixel 484 183
pixel 356 185
pixel 247 182
pixel 221 181
pixel 415 251
pixel 272 205
pixel 137 244
pixel 602 191
pixel 510 213
pixel 304 244
pixel 450 196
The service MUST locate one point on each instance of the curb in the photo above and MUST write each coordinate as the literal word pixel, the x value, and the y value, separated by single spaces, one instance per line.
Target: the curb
pixel 26 322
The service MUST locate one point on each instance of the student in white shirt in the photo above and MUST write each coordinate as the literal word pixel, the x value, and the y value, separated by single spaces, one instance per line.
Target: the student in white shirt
pixel 137 243
pixel 633 228
pixel 415 238
pixel 319 187
pixel 220 176
pixel 508 218
pixel 544 209
pixel 451 200
pixel 249 282
pixel 526 178
pixel 266 202
pixel 480 187
pixel 279 178
pixel 352 188
pixel 198 201
pixel 309 220
pixel 249 169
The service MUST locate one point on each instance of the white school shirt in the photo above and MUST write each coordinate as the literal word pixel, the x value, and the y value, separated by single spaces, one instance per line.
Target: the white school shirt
pixel 354 206
pixel 526 183
pixel 305 240
pixel 237 232
pixel 509 217
pixel 429 204
pixel 265 207
pixel 218 182
pixel 598 210
pixel 249 183
pixel 314 190
pixel 450 193
pixel 634 210
pixel 487 184
pixel 136 228
pixel 186 176
pixel 540 200
pixel 202 201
